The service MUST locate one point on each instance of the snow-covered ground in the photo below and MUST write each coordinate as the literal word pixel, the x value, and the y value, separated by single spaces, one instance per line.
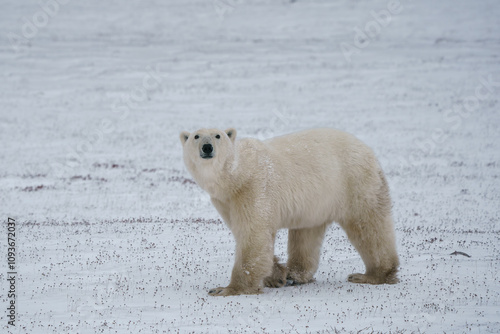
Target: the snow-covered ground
pixel 112 234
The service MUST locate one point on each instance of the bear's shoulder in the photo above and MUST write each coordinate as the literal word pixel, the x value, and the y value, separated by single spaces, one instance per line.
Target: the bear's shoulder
pixel 249 145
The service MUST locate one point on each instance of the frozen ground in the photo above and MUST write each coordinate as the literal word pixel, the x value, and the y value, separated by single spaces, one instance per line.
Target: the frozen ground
pixel 114 237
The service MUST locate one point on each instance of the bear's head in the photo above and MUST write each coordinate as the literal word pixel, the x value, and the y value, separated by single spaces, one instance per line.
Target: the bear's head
pixel 207 148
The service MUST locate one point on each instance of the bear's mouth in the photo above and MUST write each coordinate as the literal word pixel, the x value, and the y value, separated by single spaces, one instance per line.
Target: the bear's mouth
pixel 206 156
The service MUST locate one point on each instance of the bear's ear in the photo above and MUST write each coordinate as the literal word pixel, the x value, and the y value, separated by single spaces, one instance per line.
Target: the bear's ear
pixel 184 136
pixel 231 133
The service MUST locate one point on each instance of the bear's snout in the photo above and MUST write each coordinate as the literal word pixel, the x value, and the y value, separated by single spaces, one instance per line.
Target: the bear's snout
pixel 207 150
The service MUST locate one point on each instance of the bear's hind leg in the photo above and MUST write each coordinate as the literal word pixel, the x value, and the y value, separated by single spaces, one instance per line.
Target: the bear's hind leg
pixel 304 247
pixel 375 242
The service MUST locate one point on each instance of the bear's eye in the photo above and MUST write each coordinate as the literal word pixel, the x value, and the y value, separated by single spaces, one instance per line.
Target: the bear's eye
pixel 196 137
pixel 217 136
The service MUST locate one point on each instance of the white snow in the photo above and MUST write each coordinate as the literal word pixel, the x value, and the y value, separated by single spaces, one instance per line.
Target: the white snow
pixel 112 234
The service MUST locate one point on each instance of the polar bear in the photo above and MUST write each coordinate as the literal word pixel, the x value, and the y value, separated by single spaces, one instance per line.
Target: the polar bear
pixel 303 182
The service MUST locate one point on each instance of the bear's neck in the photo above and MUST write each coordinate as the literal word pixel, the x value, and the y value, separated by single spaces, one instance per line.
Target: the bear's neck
pixel 227 181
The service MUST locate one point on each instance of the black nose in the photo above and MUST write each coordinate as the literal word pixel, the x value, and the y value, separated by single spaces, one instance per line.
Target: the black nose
pixel 207 148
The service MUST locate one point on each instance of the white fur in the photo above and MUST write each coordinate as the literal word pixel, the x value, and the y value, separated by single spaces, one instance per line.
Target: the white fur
pixel 303 182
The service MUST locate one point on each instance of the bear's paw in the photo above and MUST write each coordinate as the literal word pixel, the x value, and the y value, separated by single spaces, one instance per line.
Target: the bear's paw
pixel 228 291
pixel 278 277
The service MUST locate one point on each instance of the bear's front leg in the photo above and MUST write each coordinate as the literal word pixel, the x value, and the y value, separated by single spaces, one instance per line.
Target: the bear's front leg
pixel 278 277
pixel 254 262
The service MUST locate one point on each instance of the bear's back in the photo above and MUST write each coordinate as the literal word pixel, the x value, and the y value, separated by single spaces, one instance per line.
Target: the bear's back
pixel 318 145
